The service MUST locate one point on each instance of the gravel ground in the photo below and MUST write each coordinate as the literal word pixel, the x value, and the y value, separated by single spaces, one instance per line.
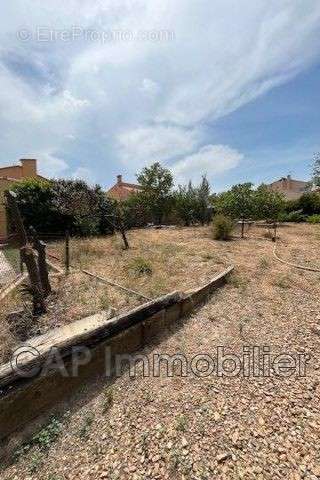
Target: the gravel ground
pixel 209 428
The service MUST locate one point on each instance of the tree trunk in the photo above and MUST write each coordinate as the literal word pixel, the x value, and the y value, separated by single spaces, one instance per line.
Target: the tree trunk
pixel 27 256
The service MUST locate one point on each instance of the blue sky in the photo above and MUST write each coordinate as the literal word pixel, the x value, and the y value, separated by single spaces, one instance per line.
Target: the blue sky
pixel 229 88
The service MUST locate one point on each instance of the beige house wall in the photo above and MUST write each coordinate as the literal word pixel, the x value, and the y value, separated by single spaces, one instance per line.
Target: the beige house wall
pixel 290 188
pixel 8 176
pixel 4 185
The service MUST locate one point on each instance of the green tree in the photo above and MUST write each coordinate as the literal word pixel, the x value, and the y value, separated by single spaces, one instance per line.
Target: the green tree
pixel 309 203
pixel 157 183
pixel 35 201
pixel 238 202
pixel 268 204
pixel 316 170
pixel 77 203
pixel 203 204
pixel 57 205
pixel 185 202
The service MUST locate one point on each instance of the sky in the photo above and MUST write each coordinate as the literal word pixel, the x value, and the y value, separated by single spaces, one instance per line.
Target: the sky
pixel 226 88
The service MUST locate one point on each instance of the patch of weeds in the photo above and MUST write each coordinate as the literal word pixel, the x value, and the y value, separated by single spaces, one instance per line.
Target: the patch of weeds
pixel 42 440
pixel 107 400
pixel 181 423
pixel 140 266
pixel 36 461
pixel 282 282
pixel 48 434
pixel 264 263
pixel 85 428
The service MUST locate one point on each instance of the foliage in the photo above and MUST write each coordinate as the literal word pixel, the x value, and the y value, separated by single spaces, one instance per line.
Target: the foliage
pixel 237 202
pixel 35 201
pixel 314 219
pixel 135 212
pixel 243 202
pixel 309 203
pixel 57 205
pixel 267 203
pixel 296 216
pixel 222 227
pixel 157 183
pixel 185 204
pixel 78 204
pixel 202 202
pixel 316 169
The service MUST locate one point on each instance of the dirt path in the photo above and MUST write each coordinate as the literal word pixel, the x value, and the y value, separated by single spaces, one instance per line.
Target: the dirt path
pixel 187 427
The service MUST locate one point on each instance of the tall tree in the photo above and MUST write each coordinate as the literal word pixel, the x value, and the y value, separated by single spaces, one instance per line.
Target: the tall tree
pixel 237 202
pixel 185 204
pixel 157 183
pixel 203 201
pixel 316 170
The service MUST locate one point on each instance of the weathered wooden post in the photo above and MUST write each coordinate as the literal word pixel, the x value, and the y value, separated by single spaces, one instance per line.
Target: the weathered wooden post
pixel 27 256
pixel 275 225
pixel 242 228
pixel 40 247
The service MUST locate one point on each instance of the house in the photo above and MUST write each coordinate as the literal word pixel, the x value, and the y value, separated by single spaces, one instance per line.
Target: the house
pixel 8 177
pixel 122 190
pixel 292 189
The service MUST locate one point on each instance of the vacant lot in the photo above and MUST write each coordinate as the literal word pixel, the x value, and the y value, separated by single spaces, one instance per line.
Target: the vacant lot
pixel 205 428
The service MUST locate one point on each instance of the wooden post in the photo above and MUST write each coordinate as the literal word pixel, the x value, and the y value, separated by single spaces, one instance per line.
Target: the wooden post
pixel 67 253
pixel 40 247
pixel 242 228
pixel 274 239
pixel 27 256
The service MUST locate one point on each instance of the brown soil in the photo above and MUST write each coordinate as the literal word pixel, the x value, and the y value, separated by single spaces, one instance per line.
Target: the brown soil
pixel 209 428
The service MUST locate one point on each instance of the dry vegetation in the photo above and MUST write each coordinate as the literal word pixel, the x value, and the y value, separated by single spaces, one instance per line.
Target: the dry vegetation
pixel 204 428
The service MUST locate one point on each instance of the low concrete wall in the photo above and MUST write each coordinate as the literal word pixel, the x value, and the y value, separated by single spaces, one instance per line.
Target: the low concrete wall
pixel 24 402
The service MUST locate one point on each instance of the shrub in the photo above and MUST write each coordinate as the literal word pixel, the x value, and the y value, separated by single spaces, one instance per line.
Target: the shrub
pixel 140 266
pixel 296 217
pixel 222 227
pixel 313 219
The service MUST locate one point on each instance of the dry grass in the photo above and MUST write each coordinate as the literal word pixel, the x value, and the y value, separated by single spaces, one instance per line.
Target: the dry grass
pixel 158 262
pixel 174 428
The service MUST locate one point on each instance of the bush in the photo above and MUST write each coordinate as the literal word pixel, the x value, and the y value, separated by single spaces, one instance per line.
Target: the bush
pixel 296 217
pixel 313 219
pixel 222 227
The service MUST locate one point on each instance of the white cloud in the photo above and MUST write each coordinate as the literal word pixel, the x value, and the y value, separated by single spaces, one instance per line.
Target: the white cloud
pixel 51 166
pixel 147 100
pixel 210 160
pixel 146 145
pixel 149 87
pixel 83 173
